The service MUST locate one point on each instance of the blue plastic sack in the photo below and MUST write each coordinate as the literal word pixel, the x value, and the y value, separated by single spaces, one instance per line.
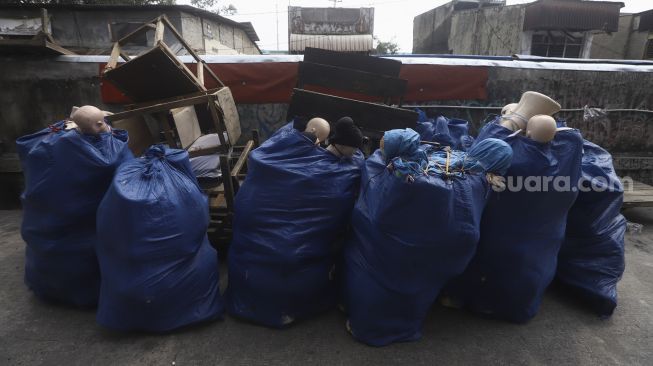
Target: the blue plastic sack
pixel 591 260
pixel 408 238
pixel 159 271
pixel 66 176
pixel 522 230
pixel 290 212
pixel 451 132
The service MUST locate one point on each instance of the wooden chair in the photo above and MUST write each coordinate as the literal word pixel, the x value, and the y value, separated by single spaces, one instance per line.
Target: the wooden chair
pixel 163 87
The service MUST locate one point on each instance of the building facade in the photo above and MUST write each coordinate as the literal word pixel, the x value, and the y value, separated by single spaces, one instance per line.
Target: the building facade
pixel 92 29
pixel 336 29
pixel 549 28
pixel 633 40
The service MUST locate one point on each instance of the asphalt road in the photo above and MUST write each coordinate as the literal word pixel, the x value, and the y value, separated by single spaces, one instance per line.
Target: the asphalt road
pixel 563 333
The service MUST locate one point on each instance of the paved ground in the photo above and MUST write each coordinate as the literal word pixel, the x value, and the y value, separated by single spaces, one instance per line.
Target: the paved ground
pixel 563 333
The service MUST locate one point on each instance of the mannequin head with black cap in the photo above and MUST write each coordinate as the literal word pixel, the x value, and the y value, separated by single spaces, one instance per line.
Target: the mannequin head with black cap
pixel 346 139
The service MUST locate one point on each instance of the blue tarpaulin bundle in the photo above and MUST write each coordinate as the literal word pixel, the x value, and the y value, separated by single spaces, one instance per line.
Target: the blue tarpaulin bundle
pixel 290 212
pixel 591 260
pixel 446 131
pixel 66 176
pixel 408 238
pixel 523 227
pixel 159 271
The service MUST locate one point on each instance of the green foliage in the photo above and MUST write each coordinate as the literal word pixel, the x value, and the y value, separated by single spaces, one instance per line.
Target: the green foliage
pixel 386 48
pixel 212 5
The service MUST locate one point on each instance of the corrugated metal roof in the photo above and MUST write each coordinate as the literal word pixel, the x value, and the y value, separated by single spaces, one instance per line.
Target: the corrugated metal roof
pixel 343 43
pixel 573 15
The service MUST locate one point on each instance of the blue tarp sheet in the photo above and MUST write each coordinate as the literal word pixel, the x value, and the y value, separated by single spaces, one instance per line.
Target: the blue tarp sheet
pixel 290 212
pixel 522 229
pixel 451 132
pixel 159 271
pixel 408 238
pixel 591 260
pixel 66 176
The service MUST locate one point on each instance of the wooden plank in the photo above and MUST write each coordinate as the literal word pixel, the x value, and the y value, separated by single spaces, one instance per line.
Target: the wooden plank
pixel 369 116
pixel 218 122
pixel 171 99
pixel 375 65
pixel 113 58
pixel 124 56
pixel 154 75
pixel 57 48
pixel 140 137
pixel 242 159
pixel 200 73
pixel 181 65
pixel 229 114
pixel 158 32
pixel 341 78
pixel 158 107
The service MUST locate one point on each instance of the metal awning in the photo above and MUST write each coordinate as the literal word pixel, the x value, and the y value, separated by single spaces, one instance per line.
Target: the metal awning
pixel 573 15
pixel 343 43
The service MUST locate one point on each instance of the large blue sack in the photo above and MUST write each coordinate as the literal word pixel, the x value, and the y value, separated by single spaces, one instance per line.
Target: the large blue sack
pixel 591 260
pixel 159 271
pixel 290 213
pixel 451 132
pixel 522 229
pixel 408 238
pixel 66 176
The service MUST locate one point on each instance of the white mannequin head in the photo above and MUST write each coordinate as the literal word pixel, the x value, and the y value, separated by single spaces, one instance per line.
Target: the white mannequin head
pixel 541 128
pixel 508 108
pixel 530 104
pixel 319 127
pixel 90 120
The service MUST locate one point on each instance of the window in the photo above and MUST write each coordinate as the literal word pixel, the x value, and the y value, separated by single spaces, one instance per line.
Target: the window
pixel 557 44
pixel 119 30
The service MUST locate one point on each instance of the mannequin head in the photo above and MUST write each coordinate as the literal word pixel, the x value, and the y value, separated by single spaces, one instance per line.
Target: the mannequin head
pixel 319 127
pixel 90 120
pixel 541 128
pixel 346 139
pixel 508 108
pixel 530 104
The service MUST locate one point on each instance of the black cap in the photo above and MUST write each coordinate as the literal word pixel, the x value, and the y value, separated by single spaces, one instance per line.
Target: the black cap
pixel 346 133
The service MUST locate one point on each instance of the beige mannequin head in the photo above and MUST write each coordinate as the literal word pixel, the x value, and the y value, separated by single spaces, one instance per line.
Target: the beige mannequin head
pixel 530 104
pixel 508 108
pixel 541 128
pixel 90 120
pixel 319 127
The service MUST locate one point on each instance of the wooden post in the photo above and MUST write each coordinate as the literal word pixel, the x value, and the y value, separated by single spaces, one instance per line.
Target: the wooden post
pixel 158 33
pixel 200 72
pixel 113 59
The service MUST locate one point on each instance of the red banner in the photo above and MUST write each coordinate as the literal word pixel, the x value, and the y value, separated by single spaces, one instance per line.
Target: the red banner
pixel 272 82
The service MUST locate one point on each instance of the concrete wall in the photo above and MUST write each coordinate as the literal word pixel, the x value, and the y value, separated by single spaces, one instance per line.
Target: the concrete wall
pixel 88 32
pixel 431 30
pixel 493 31
pixel 626 43
pixel 613 46
pixel 38 92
